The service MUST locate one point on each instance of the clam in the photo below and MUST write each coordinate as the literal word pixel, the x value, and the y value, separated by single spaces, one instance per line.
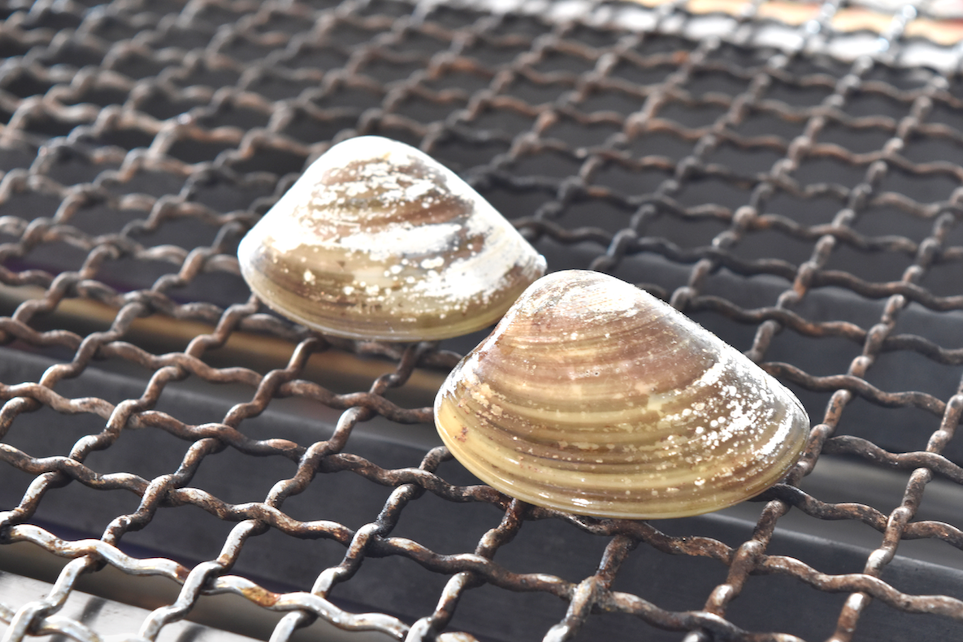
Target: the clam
pixel 376 240
pixel 593 397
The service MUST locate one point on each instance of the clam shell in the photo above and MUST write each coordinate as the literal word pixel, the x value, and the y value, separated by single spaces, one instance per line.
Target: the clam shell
pixel 378 241
pixel 593 397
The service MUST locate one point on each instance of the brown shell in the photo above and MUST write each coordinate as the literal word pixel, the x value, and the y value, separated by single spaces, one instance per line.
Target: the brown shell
pixel 378 241
pixel 593 397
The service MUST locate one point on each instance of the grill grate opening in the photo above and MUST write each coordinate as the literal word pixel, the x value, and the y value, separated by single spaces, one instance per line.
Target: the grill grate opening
pixel 176 460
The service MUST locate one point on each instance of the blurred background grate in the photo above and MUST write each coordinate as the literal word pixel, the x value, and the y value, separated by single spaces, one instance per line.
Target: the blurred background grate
pixel 177 462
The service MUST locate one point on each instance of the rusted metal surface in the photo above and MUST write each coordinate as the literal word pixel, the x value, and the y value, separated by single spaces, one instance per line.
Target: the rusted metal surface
pixel 143 139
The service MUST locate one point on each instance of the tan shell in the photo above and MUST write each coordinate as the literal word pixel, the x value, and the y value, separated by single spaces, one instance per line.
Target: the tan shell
pixel 593 397
pixel 378 241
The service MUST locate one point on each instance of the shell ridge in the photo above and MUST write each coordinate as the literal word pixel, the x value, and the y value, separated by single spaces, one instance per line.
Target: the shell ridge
pixel 376 240
pixel 531 421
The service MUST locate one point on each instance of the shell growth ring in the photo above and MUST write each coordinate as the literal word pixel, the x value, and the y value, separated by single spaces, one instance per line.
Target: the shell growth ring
pixel 376 240
pixel 595 398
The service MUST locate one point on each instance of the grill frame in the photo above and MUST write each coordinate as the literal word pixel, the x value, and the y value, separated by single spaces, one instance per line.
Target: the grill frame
pixel 91 317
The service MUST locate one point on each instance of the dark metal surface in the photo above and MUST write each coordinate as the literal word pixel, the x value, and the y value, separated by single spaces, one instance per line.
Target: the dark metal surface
pixel 157 420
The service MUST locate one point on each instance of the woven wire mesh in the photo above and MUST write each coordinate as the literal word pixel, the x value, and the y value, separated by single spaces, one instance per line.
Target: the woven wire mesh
pixel 804 207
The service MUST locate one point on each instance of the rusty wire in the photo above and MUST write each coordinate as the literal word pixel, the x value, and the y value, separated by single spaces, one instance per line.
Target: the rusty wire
pixel 148 123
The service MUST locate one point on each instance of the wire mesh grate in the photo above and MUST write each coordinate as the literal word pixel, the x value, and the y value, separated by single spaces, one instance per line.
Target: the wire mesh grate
pixel 788 174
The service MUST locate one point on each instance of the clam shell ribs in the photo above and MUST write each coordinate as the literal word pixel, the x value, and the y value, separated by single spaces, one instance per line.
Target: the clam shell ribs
pixel 376 240
pixel 593 397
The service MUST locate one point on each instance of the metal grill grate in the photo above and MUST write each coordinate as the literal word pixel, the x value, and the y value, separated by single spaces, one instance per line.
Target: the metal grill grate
pixel 798 194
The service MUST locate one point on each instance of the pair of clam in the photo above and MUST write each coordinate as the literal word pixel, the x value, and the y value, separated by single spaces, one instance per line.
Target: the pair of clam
pixel 590 396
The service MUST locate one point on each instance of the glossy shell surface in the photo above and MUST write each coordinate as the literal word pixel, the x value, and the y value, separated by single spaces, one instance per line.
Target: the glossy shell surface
pixel 593 397
pixel 377 240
